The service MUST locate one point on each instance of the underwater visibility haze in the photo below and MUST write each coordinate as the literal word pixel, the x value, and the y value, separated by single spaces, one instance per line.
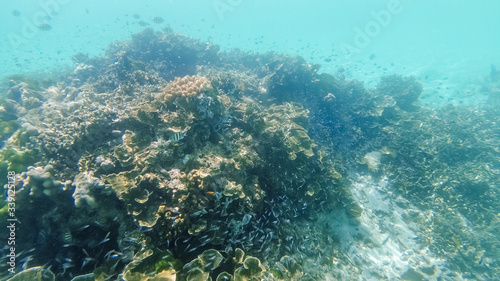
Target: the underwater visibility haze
pixel 249 140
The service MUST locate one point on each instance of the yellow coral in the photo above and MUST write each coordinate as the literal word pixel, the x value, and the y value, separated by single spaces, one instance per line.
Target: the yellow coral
pixel 186 86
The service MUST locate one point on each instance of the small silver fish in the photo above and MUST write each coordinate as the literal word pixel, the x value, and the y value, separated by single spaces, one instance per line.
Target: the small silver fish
pixel 129 240
pixel 25 262
pixel 67 265
pixel 112 254
pixel 86 261
pixel 106 239
pixel 83 227
pixel 246 219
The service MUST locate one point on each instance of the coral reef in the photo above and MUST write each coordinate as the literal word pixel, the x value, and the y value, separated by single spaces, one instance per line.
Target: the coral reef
pixel 194 168
pixel 433 157
pixel 404 90
pixel 167 160
pixel 8 117
pixel 187 86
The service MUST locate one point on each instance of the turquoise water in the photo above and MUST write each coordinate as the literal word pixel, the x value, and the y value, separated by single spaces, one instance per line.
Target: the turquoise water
pixel 450 44
pixel 250 140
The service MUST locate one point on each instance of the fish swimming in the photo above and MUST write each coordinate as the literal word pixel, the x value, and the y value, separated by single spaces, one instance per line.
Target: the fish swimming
pixel 158 20
pixel 177 136
pixel 45 27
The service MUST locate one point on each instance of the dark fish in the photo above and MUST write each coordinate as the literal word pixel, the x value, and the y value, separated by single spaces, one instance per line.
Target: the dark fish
pixel 136 16
pixel 385 240
pixel 143 23
pixel 158 20
pixel 45 27
pixel 68 237
pixel 341 76
pixel 168 29
pixel 16 13
pixel 144 228
pixel 495 74
pixel 42 237
pixel 177 136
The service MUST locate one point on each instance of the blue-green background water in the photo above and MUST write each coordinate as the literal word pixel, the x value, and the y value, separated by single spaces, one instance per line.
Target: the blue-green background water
pixel 448 45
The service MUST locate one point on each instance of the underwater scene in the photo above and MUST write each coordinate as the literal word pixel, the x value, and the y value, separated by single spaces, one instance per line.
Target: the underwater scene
pixel 245 140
